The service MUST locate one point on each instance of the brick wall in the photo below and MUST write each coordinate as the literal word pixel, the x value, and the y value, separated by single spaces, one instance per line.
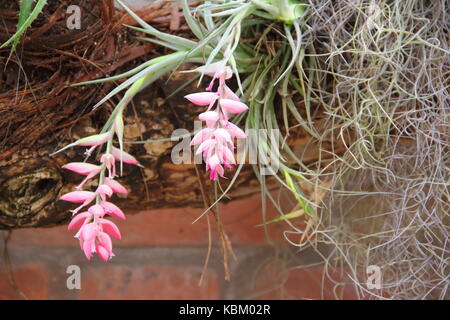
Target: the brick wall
pixel 161 256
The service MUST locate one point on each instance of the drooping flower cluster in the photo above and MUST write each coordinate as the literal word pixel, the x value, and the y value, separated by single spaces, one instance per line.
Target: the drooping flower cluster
pixel 95 231
pixel 216 140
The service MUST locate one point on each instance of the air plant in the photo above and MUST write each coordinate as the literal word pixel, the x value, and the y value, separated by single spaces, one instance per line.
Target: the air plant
pixel 219 26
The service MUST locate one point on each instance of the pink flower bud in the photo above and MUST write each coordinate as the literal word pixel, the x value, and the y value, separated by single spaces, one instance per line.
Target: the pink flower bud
pixel 235 131
pixel 210 117
pixel 213 162
pixel 112 210
pixel 123 156
pixel 105 241
pixel 201 136
pixel 204 146
pixel 202 98
pixel 78 196
pixel 82 168
pixel 78 220
pixel 97 210
pixel 229 94
pixel 215 70
pixel 233 106
pixel 228 156
pixel 94 140
pixel 116 186
pixel 87 247
pixel 222 135
pixel 110 228
pixel 102 252
pixel 104 190
pixel 88 231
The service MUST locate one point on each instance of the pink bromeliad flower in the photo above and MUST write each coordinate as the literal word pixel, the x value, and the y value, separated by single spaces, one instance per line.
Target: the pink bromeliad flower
pixel 95 231
pixel 216 140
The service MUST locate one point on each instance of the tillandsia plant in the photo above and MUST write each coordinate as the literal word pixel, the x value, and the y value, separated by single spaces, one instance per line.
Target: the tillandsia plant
pixel 94 229
pixel 216 140
pixel 219 27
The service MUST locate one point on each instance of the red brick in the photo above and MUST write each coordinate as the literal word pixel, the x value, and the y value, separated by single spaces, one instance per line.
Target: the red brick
pixel 171 227
pixel 276 282
pixel 32 281
pixel 149 282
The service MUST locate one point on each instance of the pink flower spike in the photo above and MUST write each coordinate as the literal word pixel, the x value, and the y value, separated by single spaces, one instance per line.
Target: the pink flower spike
pixel 233 106
pixel 104 190
pixel 78 220
pixel 116 186
pixel 210 117
pixel 113 210
pixel 110 228
pixel 78 196
pixel 82 168
pixel 202 98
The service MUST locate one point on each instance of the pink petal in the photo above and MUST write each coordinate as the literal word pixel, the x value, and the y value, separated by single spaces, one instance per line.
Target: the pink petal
pixel 113 210
pixel 78 220
pixel 210 117
pixel 78 196
pixel 102 252
pixel 202 98
pixel 201 136
pixel 229 156
pixel 235 131
pixel 94 140
pixel 82 168
pixel 104 189
pixel 124 156
pixel 116 186
pixel 204 146
pixel 110 228
pixel 105 241
pixel 87 249
pixel 233 106
pixel 97 210
pixel 88 231
pixel 229 94
pixel 216 68
pixel 213 161
pixel 222 135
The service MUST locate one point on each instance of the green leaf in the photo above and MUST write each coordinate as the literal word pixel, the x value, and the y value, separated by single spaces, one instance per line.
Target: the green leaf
pixel 23 25
pixel 289 216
